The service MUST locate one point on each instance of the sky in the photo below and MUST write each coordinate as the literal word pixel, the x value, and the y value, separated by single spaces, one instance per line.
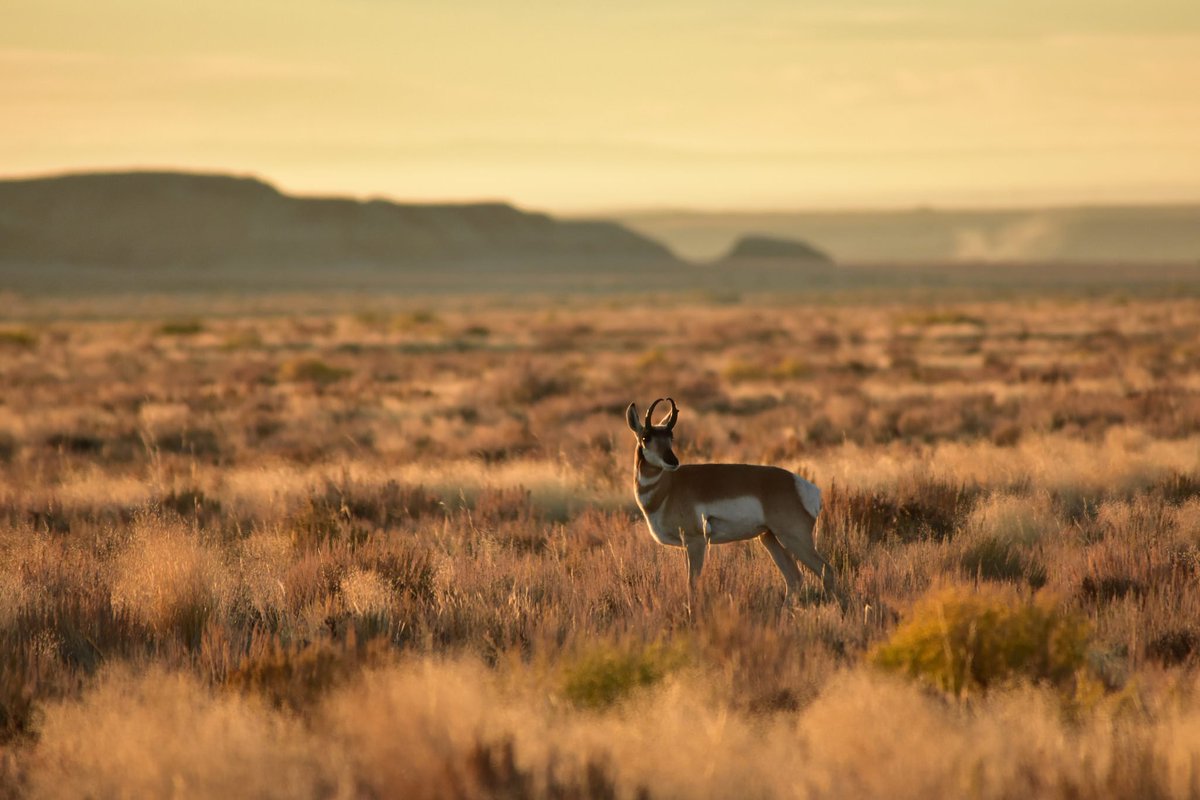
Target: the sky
pixel 626 104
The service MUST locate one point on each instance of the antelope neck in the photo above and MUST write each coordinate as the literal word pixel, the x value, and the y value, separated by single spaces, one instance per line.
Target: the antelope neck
pixel 652 483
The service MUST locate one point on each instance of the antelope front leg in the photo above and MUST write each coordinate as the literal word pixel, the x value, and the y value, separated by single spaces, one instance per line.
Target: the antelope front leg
pixel 696 548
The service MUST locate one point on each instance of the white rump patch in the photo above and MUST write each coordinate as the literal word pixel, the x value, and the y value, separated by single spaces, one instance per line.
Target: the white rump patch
pixel 810 496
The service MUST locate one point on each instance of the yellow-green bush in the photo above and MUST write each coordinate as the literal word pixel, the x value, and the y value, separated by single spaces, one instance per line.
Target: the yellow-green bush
pixel 311 370
pixel 964 642
pixel 739 370
pixel 607 674
pixel 786 369
pixel 654 357
pixel 790 369
pixel 18 337
pixel 181 327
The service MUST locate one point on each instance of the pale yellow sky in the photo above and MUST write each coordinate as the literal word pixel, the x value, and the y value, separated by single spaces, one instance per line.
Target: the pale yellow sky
pixel 573 106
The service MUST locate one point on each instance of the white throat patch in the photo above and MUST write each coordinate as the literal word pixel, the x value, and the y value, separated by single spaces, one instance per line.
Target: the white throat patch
pixel 656 461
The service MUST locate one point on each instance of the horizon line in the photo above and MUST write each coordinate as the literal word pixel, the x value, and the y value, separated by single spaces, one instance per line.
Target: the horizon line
pixel 633 210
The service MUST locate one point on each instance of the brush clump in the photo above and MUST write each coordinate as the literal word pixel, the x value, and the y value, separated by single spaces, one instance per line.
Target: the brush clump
pixel 966 642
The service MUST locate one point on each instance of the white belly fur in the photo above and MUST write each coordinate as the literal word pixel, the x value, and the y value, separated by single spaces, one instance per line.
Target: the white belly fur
pixel 732 519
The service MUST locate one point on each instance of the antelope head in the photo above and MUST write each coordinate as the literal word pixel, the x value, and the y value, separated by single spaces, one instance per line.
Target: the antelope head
pixel 654 441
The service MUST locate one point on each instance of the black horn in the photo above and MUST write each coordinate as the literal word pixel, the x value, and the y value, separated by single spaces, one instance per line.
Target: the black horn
pixel 674 414
pixel 649 412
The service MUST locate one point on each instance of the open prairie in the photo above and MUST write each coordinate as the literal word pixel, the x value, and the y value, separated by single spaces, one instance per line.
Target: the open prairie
pixel 377 549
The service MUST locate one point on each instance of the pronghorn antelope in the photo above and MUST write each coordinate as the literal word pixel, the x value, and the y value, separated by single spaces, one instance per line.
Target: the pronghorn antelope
pixel 694 505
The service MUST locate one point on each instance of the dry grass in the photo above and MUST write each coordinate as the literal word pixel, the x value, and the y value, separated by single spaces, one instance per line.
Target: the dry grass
pixel 395 553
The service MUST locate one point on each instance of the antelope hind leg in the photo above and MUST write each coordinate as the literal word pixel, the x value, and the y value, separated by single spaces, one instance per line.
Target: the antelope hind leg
pixel 799 542
pixel 823 570
pixel 787 565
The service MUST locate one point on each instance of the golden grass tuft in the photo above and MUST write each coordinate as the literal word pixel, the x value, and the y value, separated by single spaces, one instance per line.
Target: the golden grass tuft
pixel 164 734
pixel 14 597
pixel 168 579
pixel 1022 519
pixel 366 593
pixel 261 566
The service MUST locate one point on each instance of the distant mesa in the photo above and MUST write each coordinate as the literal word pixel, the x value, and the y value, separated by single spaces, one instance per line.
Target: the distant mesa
pixel 770 250
pixel 209 223
pixel 1092 235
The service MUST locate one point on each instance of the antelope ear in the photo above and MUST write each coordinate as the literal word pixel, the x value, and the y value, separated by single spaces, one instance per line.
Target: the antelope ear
pixel 631 419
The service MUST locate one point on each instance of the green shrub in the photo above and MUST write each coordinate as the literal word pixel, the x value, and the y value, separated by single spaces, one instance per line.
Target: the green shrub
pixel 654 357
pixel 738 370
pixel 18 337
pixel 790 369
pixel 181 327
pixel 786 369
pixel 964 642
pixel 421 318
pixel 244 339
pixel 607 674
pixel 311 370
pixel 943 317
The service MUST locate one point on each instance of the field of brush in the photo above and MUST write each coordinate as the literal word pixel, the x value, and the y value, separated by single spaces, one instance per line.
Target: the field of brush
pixel 393 551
